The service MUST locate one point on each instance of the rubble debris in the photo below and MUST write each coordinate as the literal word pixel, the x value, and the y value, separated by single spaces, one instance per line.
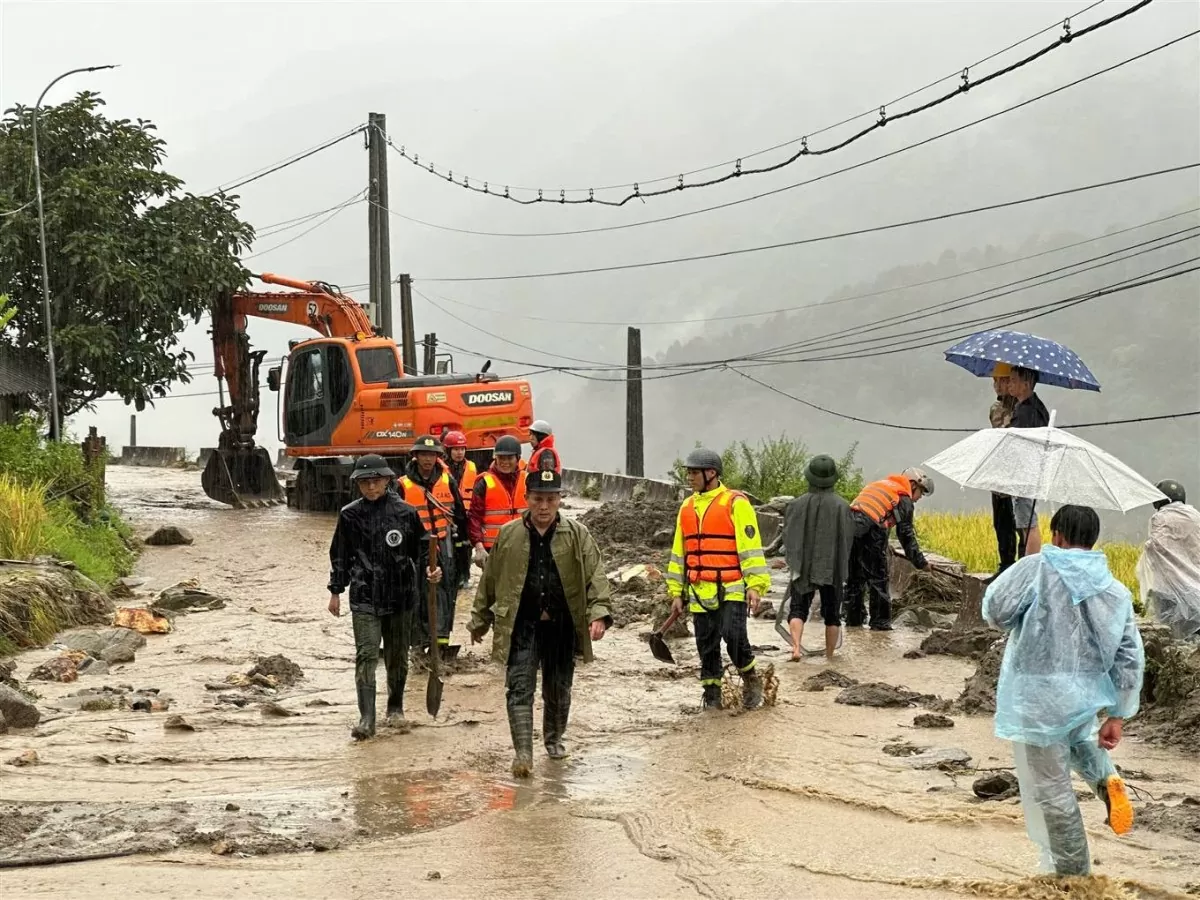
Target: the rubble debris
pixel 626 609
pixel 184 598
pixel 902 748
pixel 1170 707
pixel 971 643
pixel 731 686
pixel 141 620
pixel 766 610
pixel 7 667
pixel 25 758
pixel 935 590
pixel 112 645
pixel 237 679
pixel 170 536
pixel 624 525
pixel 979 695
pixel 1181 819
pixel 277 667
pixel 915 653
pixel 663 538
pixel 827 678
pixel 932 720
pixel 944 759
pixel 271 708
pixel 919 618
pixel 63 668
pixel 147 700
pixel 177 723
pixel 3 724
pixel 1001 786
pixel 31 595
pixel 883 696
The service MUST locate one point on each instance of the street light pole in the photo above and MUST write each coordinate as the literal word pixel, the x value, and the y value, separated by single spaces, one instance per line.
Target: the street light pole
pixel 55 424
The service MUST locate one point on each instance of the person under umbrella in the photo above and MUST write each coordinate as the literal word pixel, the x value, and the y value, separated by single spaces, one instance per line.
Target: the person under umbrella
pixel 1003 523
pixel 1029 412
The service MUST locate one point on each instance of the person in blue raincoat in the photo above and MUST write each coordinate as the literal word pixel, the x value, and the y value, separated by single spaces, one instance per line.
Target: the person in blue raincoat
pixel 1073 651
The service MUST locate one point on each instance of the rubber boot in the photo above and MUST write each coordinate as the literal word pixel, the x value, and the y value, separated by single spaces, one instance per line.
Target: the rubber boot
pixel 554 726
pixel 520 724
pixel 395 702
pixel 752 689
pixel 1116 801
pixel 712 696
pixel 366 708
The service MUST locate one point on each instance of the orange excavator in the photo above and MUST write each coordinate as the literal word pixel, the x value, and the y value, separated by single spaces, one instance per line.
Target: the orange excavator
pixel 343 394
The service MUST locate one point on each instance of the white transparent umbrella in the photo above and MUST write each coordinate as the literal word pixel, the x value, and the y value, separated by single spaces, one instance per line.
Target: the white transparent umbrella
pixel 1044 464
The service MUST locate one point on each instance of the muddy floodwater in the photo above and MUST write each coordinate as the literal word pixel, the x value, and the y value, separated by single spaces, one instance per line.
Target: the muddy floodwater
pixel 267 796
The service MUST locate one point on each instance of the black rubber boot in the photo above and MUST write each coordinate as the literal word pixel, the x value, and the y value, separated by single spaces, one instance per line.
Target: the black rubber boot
pixel 395 702
pixel 752 689
pixel 366 708
pixel 520 724
pixel 712 696
pixel 554 726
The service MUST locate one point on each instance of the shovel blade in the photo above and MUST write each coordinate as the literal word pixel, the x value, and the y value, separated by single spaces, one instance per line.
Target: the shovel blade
pixel 660 649
pixel 433 694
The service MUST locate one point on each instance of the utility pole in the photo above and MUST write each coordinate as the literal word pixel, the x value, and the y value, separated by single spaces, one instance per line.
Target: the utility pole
pixel 383 224
pixel 373 218
pixel 408 335
pixel 132 429
pixel 635 443
pixel 431 353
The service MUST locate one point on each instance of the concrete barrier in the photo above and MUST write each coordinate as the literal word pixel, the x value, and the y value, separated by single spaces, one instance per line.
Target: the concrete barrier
pixel 153 456
pixel 620 487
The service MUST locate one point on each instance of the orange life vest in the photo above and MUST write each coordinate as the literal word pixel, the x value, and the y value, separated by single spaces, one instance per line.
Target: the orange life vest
pixel 878 500
pixel 710 550
pixel 500 507
pixel 466 484
pixel 443 502
pixel 545 448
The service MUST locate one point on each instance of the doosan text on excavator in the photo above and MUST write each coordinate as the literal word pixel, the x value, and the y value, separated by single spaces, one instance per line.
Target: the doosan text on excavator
pixel 341 394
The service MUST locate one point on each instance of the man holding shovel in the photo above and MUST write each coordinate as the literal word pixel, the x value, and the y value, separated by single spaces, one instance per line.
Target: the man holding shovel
pixel 717 563
pixel 545 595
pixel 818 531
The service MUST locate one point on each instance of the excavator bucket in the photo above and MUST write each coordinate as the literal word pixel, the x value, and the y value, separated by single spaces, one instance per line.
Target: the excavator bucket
pixel 243 478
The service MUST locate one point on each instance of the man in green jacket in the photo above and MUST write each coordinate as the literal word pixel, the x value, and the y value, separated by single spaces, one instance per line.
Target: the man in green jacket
pixel 545 595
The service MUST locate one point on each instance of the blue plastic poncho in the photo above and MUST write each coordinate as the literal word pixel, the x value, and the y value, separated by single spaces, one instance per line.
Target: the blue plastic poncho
pixel 1074 647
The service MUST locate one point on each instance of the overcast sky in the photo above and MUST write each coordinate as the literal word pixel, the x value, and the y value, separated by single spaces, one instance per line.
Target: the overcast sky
pixel 556 95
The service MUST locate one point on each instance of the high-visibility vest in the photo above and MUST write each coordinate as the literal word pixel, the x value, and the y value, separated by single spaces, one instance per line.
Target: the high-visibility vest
pixel 443 502
pixel 466 484
pixel 879 499
pixel 710 551
pixel 500 507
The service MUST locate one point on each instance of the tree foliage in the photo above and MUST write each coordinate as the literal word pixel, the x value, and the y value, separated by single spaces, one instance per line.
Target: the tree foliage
pixel 775 468
pixel 133 258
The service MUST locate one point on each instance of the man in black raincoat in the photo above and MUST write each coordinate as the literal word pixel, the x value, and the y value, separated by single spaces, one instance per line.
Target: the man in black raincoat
pixel 818 532
pixel 375 551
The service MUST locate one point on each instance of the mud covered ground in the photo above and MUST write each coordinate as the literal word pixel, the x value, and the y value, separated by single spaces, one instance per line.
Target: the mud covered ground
pixel 263 794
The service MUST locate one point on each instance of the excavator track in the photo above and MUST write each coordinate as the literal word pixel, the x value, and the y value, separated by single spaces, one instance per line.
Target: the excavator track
pixel 242 478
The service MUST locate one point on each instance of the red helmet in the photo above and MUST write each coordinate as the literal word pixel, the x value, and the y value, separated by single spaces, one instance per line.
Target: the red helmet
pixel 454 439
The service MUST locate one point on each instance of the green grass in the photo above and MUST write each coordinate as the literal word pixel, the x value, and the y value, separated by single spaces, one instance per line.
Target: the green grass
pixel 968 538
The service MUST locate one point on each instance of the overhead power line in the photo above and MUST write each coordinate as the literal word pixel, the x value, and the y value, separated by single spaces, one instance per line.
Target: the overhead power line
pixel 333 214
pixel 560 197
pixel 788 187
pixel 298 221
pixel 24 206
pixel 514 314
pixel 288 161
pixel 828 237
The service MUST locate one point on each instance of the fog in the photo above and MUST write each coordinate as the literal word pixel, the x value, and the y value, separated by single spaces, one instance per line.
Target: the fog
pixel 575 95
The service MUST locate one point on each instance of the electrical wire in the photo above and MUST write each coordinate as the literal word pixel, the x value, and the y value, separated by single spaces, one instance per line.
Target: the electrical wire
pixel 21 208
pixel 288 224
pixel 738 171
pixel 788 187
pixel 513 314
pixel 288 161
pixel 337 210
pixel 827 237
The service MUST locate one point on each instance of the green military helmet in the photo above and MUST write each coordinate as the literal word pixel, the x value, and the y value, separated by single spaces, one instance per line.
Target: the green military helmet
pixel 1174 491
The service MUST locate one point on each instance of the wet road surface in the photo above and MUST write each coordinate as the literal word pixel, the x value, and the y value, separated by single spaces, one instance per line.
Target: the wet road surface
pixel 656 801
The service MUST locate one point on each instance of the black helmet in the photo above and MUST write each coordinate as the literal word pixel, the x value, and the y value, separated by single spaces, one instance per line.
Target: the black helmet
pixel 702 458
pixel 1174 491
pixel 372 465
pixel 543 481
pixel 507 446
pixel 427 443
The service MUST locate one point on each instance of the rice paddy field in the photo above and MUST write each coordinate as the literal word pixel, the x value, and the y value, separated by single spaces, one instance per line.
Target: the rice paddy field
pixel 969 539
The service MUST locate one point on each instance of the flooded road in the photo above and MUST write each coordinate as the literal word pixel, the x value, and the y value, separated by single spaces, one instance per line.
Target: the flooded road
pixel 657 801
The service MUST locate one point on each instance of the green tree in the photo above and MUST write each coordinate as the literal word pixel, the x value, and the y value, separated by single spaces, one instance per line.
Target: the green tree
pixel 7 311
pixel 776 468
pixel 133 258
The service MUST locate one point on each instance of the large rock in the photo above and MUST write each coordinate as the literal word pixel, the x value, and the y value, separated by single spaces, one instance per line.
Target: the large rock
pixel 972 643
pixel 113 645
pixel 182 598
pixel 919 618
pixel 170 536
pixel 17 709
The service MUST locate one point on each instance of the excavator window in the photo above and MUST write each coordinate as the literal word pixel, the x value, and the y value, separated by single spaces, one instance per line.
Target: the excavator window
pixel 341 380
pixel 306 393
pixel 377 365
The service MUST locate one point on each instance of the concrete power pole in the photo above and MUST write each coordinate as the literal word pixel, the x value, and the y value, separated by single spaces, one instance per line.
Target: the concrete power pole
pixel 378 223
pixel 408 334
pixel 635 443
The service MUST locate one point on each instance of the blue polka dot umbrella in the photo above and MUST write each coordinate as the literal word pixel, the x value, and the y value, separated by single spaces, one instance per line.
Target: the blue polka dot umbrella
pixel 1055 364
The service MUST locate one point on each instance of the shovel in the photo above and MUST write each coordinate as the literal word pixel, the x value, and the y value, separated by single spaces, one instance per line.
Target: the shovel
pixel 658 646
pixel 433 690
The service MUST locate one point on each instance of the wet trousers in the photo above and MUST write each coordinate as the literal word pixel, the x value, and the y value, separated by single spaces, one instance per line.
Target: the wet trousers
pixel 727 622
pixel 550 646
pixel 394 631
pixel 447 597
pixel 1004 523
pixel 869 569
pixel 462 563
pixel 1052 817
